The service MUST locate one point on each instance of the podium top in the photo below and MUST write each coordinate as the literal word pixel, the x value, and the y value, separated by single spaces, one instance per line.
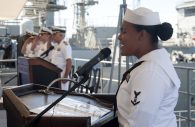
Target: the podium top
pixel 26 61
pixel 26 98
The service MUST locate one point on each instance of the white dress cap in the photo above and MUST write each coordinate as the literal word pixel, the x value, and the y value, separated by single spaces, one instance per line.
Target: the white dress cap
pixel 31 33
pixel 58 29
pixel 28 32
pixel 45 30
pixel 142 16
pixel 34 34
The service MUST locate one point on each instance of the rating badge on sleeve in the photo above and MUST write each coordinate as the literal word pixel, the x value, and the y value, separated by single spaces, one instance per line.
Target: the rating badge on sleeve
pixel 135 100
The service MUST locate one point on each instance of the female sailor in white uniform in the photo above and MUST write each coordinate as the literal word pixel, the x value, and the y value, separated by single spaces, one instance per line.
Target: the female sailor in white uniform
pixel 148 94
pixel 61 55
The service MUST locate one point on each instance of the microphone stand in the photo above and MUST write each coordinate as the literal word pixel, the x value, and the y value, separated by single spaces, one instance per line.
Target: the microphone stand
pixel 85 77
pixel 43 56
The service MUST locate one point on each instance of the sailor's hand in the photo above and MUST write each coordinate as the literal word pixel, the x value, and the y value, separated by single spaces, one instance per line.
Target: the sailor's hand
pixel 64 81
pixel 37 38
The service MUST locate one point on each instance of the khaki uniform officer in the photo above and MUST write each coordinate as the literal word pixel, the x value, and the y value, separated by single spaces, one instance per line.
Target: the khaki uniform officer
pixel 43 42
pixel 26 48
pixel 61 55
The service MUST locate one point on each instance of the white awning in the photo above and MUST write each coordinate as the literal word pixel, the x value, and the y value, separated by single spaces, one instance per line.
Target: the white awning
pixel 10 9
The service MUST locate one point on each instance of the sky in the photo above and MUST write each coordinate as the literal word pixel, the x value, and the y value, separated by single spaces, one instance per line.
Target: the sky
pixel 106 12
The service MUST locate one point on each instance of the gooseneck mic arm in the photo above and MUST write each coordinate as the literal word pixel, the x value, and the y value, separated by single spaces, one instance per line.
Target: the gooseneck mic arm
pixel 77 84
pixel 58 79
pixel 45 54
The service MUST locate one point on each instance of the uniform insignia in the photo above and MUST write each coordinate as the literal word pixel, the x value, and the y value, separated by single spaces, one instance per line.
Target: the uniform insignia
pixel 135 102
pixel 127 77
pixel 66 43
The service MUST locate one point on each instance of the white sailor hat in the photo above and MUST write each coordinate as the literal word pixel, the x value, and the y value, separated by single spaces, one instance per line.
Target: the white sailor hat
pixel 142 16
pixel 28 32
pixel 31 33
pixel 45 30
pixel 57 29
pixel 34 34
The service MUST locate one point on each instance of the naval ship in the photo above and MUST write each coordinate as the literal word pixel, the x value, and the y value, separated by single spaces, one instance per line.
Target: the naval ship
pixel 89 40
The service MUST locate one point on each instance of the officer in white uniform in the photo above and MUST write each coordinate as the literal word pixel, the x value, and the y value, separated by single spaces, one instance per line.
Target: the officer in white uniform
pixel 26 48
pixel 43 42
pixel 149 92
pixel 61 55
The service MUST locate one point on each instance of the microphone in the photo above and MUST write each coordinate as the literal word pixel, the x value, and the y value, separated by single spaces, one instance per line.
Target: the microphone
pixel 104 53
pixel 47 51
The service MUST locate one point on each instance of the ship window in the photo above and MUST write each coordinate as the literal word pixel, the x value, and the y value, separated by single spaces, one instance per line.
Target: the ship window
pixel 189 12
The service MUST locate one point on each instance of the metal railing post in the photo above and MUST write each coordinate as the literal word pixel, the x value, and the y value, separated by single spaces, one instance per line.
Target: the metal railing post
pixel 1 89
pixel 189 96
pixel 179 119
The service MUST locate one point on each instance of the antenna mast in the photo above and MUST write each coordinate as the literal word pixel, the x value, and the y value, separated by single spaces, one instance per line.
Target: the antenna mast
pixel 80 23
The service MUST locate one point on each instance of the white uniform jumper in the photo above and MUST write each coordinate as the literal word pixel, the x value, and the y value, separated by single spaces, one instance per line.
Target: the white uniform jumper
pixel 59 54
pixel 29 52
pixel 147 97
pixel 40 48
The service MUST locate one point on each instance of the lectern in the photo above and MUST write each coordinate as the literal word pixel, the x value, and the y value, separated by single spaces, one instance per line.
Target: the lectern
pixel 19 102
pixel 37 70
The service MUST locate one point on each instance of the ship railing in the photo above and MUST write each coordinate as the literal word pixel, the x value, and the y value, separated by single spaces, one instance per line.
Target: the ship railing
pixel 102 65
pixel 187 92
pixel 181 118
pixel 86 60
pixel 6 71
pixel 184 115
pixel 8 60
pixel 187 117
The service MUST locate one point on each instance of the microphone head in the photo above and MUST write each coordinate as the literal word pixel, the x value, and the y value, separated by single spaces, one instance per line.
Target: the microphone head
pixel 105 52
pixel 51 47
